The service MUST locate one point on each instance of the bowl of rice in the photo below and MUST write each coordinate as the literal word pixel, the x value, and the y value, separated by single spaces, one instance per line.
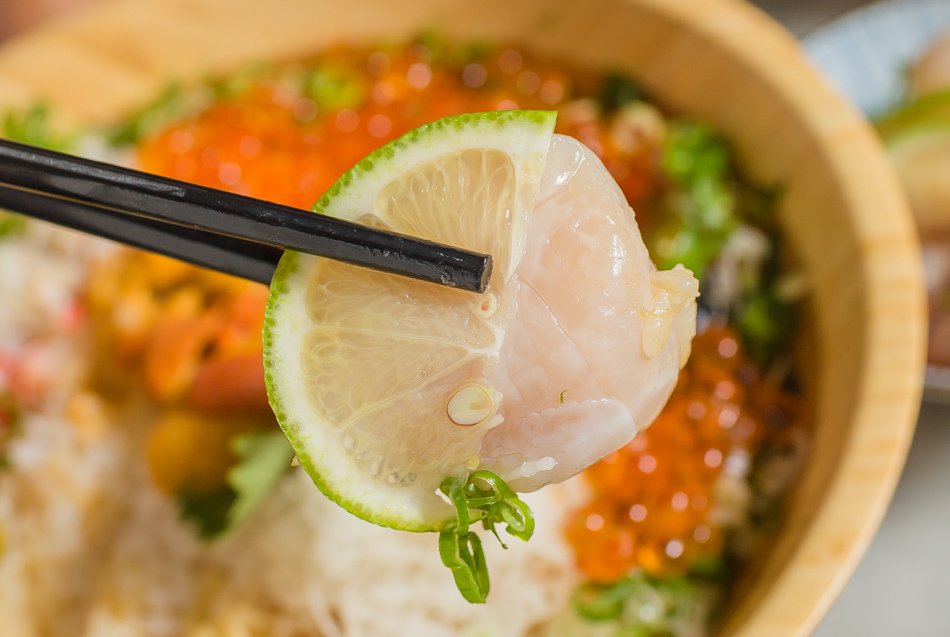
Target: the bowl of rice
pixel 144 487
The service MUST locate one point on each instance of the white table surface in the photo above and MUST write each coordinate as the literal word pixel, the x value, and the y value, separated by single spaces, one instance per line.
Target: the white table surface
pixel 902 586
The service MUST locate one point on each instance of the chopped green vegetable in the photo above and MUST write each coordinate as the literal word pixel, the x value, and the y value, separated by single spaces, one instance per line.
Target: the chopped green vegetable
pixel 488 498
pixel 11 225
pixel 701 203
pixel 436 49
pixel 334 88
pixel 765 321
pixel 601 602
pixel 618 89
pixel 707 203
pixel 33 126
pixel 173 103
pixel 433 45
pixel 238 82
pixel 644 606
pixel 695 153
pixel 208 512
pixel 560 397
pixel 263 458
pixel 766 314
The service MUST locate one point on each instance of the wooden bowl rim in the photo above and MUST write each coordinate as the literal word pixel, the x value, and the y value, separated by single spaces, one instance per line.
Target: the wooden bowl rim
pixel 818 568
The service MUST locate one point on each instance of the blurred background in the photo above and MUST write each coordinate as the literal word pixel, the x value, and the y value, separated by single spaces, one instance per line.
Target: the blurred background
pixel 798 15
pixel 900 586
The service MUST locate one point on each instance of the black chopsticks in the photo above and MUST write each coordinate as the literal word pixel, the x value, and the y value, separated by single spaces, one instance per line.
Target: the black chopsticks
pixel 211 228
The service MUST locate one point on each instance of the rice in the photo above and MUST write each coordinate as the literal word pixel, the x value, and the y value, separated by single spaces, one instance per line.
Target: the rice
pixel 91 548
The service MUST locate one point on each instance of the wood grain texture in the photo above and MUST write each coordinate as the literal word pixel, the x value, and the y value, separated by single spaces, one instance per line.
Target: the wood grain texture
pixel 721 60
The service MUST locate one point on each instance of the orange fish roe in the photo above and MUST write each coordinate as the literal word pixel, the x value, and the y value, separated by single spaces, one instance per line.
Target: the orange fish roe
pixel 663 502
pixel 288 137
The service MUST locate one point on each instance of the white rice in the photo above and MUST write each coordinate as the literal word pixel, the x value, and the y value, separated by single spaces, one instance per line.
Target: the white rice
pixel 90 548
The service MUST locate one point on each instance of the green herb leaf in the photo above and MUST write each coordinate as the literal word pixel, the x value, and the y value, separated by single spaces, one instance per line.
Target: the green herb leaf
pixel 11 225
pixel 618 89
pixel 29 126
pixel 767 310
pixel 174 102
pixel 263 459
pixel 707 203
pixel 674 605
pixel 701 203
pixel 33 126
pixel 486 497
pixel 602 602
pixel 334 88
pixel 206 511
pixel 236 83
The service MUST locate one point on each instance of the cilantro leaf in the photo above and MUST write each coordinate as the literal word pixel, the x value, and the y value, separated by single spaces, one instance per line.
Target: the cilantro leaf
pixel 263 458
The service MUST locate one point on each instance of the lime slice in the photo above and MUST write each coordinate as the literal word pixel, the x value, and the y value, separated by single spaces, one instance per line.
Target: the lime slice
pixel 388 387
pixel 917 136
pixel 359 363
pixel 921 156
pixel 924 111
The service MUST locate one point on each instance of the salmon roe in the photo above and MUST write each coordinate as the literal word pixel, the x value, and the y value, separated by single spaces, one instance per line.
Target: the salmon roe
pixel 287 137
pixel 663 502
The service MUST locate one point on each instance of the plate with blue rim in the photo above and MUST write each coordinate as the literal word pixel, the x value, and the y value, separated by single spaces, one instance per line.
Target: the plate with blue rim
pixel 864 54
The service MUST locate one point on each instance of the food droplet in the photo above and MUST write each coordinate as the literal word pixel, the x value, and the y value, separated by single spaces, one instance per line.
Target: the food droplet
pixel 470 405
pixel 487 305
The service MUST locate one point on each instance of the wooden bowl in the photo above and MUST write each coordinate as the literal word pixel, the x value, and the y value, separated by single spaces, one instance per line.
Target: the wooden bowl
pixel 717 59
